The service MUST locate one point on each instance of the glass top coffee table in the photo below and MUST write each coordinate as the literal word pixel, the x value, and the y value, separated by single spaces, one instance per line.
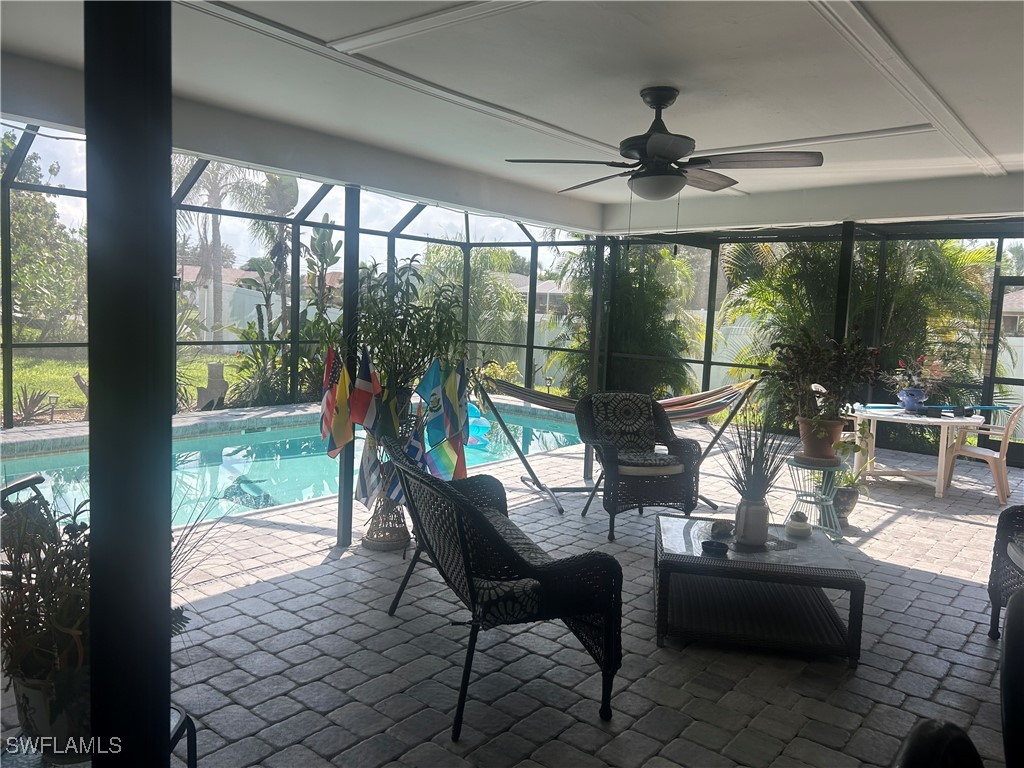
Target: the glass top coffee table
pixel 770 599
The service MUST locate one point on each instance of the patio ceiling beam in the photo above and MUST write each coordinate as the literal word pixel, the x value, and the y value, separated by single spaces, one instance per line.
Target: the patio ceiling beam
pixel 281 33
pixel 853 23
pixel 428 22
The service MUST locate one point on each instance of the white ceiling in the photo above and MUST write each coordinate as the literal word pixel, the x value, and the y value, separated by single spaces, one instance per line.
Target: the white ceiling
pixel 918 107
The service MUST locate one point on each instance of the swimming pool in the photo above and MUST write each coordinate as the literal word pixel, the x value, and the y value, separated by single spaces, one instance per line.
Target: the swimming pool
pixel 232 473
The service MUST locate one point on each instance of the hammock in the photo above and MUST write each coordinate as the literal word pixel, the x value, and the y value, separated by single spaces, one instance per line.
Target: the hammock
pixel 699 405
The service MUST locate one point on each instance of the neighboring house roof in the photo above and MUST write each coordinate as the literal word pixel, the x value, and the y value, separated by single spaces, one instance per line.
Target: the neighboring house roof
pixel 1013 302
pixel 229 276
pixel 522 284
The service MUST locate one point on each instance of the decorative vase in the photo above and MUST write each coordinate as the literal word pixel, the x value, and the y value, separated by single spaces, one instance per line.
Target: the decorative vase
pixel 845 500
pixel 911 398
pixel 818 436
pixel 36 703
pixel 752 523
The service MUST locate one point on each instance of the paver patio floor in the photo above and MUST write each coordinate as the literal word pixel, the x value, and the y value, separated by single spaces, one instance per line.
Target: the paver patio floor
pixel 292 660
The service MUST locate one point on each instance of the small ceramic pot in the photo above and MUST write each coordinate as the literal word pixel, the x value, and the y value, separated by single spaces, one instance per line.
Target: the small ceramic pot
pixel 798 529
pixel 752 523
pixel 911 398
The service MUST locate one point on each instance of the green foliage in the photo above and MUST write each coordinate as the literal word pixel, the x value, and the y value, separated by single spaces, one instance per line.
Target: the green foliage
pixel 48 262
pixel 44 597
pixel 647 322
pixel 497 311
pixel 815 376
pixel 262 370
pixel 508 372
pixel 760 452
pixel 403 331
pixel 31 404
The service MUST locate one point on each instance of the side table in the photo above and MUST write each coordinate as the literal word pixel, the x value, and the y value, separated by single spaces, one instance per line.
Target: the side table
pixel 815 491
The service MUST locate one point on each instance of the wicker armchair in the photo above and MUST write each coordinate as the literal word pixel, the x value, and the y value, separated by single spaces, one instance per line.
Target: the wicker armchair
pixel 1007 574
pixel 502 577
pixel 624 428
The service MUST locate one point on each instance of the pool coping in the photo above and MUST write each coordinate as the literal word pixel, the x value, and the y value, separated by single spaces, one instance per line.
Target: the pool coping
pixel 70 437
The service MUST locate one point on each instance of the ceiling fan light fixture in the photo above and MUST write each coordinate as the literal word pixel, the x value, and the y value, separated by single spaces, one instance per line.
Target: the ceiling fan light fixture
pixel 656 186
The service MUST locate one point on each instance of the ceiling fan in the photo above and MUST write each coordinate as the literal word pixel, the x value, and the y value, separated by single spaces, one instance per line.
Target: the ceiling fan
pixel 660 171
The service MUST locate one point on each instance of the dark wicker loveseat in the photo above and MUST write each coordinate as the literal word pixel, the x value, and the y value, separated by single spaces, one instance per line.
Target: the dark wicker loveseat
pixel 1007 575
pixel 501 576
pixel 624 428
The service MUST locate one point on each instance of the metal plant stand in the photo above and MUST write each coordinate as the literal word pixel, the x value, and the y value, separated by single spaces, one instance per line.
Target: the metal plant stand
pixel 815 493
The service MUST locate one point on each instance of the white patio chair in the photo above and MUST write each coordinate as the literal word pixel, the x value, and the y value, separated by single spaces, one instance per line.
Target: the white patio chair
pixel 996 460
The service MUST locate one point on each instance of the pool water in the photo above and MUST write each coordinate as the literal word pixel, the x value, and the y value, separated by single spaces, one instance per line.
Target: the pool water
pixel 226 474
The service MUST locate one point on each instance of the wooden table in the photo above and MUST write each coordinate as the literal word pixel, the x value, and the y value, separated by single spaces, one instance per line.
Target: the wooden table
pixel 771 599
pixel 948 427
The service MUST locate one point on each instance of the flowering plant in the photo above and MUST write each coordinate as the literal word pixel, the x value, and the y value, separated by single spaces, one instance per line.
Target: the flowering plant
pixel 915 372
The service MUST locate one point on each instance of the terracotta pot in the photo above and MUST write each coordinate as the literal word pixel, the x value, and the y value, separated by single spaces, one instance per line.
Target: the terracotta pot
pixel 752 523
pixel 845 500
pixel 815 445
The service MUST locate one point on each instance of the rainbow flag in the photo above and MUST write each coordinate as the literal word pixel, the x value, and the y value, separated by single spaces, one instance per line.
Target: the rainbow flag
pixel 443 460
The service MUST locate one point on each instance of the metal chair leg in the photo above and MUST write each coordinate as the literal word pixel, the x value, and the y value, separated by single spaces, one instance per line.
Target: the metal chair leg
pixel 405 579
pixel 593 493
pixel 993 629
pixel 607 678
pixel 466 669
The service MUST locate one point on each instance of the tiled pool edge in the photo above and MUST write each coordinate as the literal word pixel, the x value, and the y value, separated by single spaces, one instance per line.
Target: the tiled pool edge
pixel 74 436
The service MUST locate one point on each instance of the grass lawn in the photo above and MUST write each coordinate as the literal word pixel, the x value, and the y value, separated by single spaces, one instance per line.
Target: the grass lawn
pixel 56 376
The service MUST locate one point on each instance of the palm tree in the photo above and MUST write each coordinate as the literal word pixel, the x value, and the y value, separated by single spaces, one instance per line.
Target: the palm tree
pixel 220 184
pixel 497 310
pixel 279 196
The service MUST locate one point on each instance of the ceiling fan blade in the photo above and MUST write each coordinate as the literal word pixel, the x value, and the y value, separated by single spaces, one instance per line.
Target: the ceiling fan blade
pixel 709 181
pixel 610 164
pixel 668 146
pixel 759 160
pixel 595 181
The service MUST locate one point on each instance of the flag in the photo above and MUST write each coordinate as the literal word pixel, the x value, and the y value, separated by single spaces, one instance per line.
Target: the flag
pixel 341 424
pixel 394 485
pixel 429 390
pixel 332 373
pixel 387 415
pixel 443 460
pixel 450 406
pixel 415 449
pixel 369 483
pixel 366 395
pixel 463 390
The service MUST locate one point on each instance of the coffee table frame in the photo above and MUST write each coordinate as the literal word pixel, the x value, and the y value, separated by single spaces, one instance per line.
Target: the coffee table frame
pixel 748 600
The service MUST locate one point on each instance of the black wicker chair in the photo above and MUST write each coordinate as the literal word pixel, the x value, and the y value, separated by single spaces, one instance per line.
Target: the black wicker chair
pixel 624 428
pixel 502 577
pixel 1007 575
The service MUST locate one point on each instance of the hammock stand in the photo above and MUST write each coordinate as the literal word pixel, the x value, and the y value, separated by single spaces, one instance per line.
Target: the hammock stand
pixel 683 408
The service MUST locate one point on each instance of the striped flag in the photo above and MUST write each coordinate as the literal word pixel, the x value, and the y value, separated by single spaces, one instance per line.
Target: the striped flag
pixel 463 391
pixel 394 484
pixel 369 483
pixel 365 397
pixel 341 425
pixel 332 374
pixel 415 449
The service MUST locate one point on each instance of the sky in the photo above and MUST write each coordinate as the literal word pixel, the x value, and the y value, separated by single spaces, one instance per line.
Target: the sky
pixel 377 211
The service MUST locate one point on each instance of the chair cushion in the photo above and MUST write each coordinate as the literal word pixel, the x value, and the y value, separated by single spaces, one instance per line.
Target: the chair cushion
pixel 1015 551
pixel 506 602
pixel 624 419
pixel 649 463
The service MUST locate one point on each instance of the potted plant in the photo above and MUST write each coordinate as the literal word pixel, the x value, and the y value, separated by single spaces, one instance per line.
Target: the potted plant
pixel 760 453
pixel 849 483
pixel 44 597
pixel 797 525
pixel 815 378
pixel 914 381
pixel 404 322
